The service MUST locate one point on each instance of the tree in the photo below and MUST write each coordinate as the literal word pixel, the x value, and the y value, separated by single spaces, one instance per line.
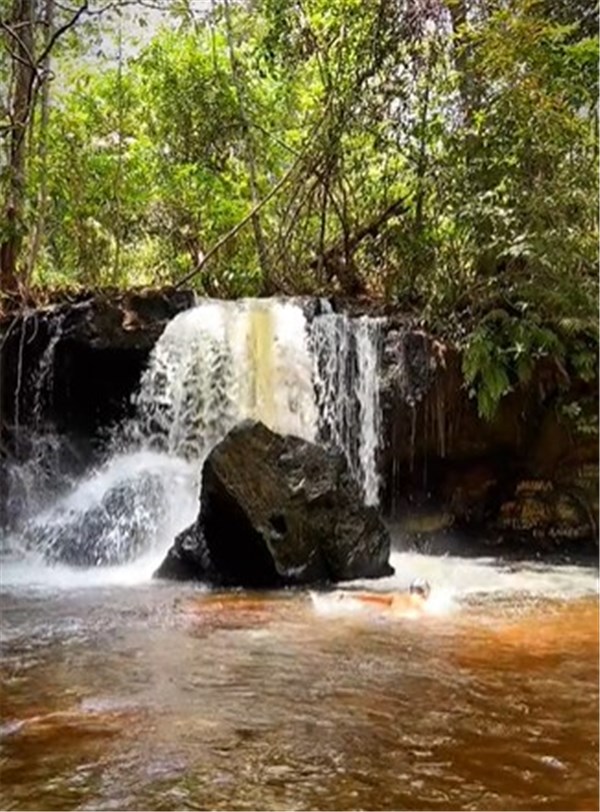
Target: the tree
pixel 438 154
pixel 29 52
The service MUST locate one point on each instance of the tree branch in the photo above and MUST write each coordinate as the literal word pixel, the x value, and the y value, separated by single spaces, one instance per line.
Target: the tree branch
pixel 350 243
pixel 253 211
pixel 238 227
pixel 10 30
pixel 60 31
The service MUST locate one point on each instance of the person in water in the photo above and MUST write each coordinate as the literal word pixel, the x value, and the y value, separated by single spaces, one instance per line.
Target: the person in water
pixel 398 604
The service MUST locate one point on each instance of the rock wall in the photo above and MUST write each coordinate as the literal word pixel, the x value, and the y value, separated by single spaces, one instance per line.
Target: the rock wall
pixel 77 364
pixel 67 373
pixel 527 474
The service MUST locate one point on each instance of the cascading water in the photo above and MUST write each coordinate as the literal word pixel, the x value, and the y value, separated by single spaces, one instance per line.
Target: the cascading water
pixel 214 365
pixel 33 483
pixel 43 377
pixel 222 362
pixel 346 356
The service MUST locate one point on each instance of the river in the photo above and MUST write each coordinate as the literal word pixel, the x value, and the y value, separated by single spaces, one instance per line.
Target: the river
pixel 123 693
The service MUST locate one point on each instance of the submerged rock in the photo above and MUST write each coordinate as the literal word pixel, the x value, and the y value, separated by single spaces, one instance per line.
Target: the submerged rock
pixel 278 510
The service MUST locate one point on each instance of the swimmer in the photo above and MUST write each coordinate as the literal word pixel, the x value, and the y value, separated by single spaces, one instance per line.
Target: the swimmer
pixel 402 604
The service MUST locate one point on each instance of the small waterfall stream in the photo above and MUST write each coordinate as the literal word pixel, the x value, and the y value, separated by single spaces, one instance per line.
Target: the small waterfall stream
pixel 33 483
pixel 214 365
pixel 346 355
pixel 43 377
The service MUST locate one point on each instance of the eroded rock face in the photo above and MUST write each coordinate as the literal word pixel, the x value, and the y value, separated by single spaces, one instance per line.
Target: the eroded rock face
pixel 67 375
pixel 528 474
pixel 277 510
pixel 75 365
pixel 540 508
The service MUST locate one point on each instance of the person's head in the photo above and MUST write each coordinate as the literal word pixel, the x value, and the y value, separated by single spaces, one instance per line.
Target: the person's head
pixel 421 588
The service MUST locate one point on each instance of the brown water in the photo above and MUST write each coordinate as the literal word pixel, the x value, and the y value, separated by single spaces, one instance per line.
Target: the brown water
pixel 166 697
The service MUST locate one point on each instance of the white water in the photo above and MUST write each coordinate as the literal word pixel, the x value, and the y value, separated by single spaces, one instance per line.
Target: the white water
pixel 122 511
pixel 346 357
pixel 367 388
pixel 223 362
pixel 214 365
pixel 43 378
pixel 455 580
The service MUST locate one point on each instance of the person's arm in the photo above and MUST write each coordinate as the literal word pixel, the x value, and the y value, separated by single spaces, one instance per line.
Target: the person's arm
pixel 372 598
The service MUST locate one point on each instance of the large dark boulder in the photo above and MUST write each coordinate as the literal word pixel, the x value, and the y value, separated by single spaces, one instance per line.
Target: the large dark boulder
pixel 278 510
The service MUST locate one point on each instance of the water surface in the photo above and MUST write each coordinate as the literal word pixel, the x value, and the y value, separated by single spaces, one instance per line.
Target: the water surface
pixel 119 693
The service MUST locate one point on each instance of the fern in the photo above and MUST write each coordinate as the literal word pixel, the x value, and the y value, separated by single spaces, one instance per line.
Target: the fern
pixel 485 371
pixel 501 352
pixel 572 326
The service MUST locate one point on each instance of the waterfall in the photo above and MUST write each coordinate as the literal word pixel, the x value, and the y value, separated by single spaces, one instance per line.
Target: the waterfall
pixel 34 481
pixel 220 363
pixel 346 355
pixel 214 365
pixel 42 379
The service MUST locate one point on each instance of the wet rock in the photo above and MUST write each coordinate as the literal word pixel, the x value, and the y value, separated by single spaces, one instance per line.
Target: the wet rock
pixel 76 364
pixel 467 490
pixel 119 528
pixel 188 558
pixel 542 509
pixel 28 487
pixel 424 522
pixel 277 510
pixel 410 359
pixel 437 450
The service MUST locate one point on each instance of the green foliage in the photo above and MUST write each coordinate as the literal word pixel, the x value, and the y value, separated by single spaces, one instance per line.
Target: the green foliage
pixel 501 352
pixel 440 155
pixel 582 417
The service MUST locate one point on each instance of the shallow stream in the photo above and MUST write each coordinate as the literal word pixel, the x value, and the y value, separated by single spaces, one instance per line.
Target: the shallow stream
pixel 122 693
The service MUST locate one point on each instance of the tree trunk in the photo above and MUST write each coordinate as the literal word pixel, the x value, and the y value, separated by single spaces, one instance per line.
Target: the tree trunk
pixel 42 198
pixel 23 77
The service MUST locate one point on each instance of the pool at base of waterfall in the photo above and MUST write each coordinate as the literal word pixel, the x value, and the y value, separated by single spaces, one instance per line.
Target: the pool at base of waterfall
pixel 123 693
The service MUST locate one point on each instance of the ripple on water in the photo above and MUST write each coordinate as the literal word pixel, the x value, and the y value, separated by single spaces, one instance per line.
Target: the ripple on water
pixel 168 697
